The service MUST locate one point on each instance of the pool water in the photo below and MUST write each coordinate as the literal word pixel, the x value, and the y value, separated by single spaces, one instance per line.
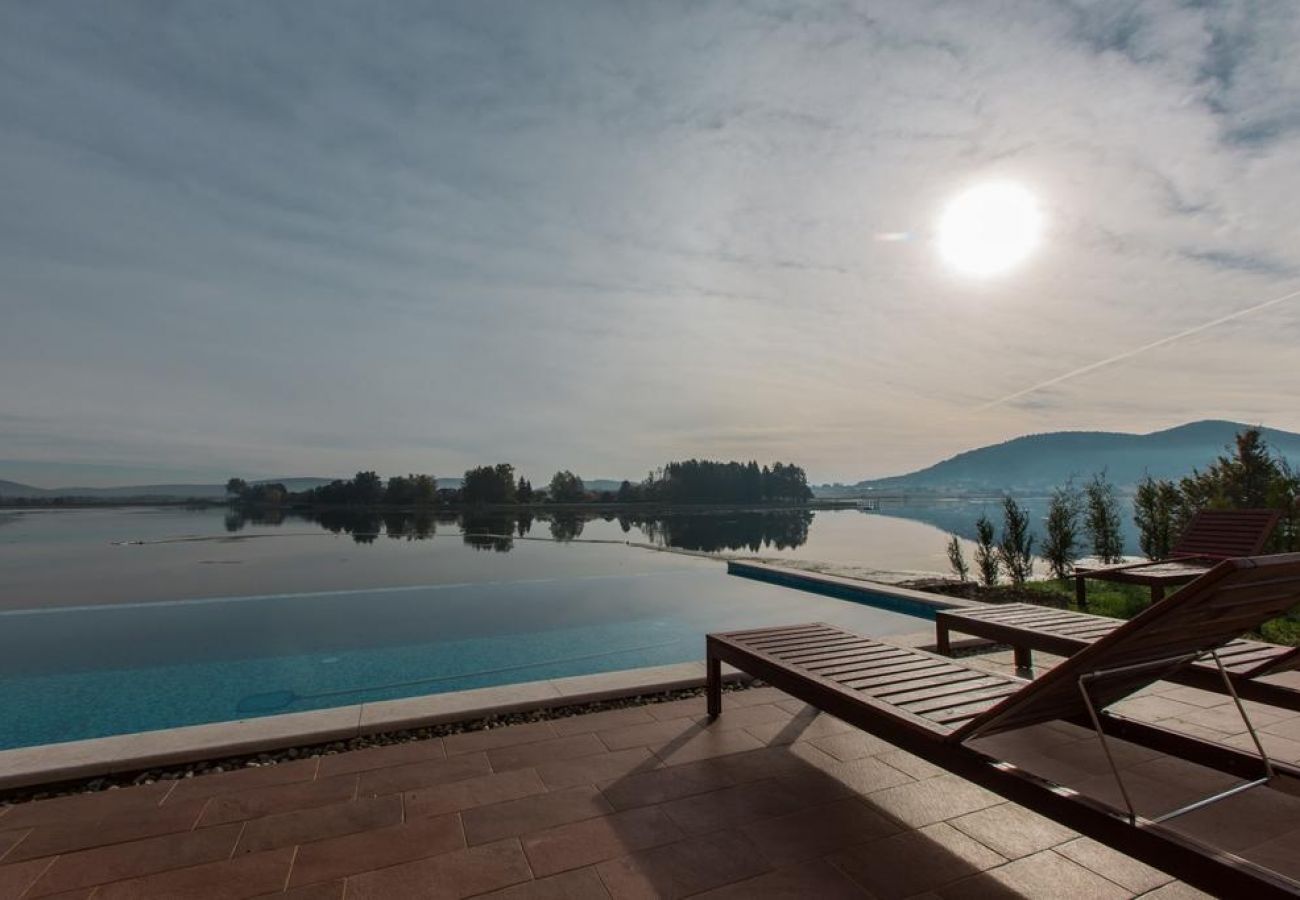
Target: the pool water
pixel 73 672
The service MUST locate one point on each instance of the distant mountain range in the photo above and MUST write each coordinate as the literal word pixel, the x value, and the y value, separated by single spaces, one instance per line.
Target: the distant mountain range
pixel 1035 462
pixel 1040 462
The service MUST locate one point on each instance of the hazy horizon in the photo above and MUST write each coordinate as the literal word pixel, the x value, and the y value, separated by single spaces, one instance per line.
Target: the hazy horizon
pixel 58 475
pixel 248 240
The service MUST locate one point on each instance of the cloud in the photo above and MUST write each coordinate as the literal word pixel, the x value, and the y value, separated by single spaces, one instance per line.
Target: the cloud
pixel 417 238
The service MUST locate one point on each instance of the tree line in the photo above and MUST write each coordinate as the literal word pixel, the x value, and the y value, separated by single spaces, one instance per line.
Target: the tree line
pixel 1247 476
pixel 688 482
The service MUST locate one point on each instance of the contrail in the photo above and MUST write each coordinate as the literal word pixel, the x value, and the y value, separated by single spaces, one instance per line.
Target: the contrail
pixel 1127 354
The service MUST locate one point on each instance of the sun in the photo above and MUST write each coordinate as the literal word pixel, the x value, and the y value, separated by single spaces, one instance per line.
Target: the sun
pixel 989 229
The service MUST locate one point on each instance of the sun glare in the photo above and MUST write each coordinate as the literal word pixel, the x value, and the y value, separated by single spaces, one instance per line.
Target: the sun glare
pixel 989 228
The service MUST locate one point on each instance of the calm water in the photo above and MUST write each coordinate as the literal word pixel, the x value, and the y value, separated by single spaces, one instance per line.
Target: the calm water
pixel 122 620
pixel 126 620
pixel 83 557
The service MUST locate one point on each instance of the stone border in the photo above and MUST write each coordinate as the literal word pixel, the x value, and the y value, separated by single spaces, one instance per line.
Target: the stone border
pixel 217 765
pixel 27 767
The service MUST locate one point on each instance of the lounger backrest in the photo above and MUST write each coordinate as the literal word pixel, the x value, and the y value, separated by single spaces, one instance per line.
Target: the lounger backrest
pixel 1225 533
pixel 1234 597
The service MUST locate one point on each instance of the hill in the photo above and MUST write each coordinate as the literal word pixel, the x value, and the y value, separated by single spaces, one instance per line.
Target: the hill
pixel 1039 462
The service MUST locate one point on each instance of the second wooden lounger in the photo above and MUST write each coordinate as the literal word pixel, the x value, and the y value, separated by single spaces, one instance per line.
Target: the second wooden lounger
pixel 1028 628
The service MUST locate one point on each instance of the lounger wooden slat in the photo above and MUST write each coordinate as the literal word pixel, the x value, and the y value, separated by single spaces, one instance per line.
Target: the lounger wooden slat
pixel 1020 612
pixel 905 695
pixel 961 715
pixel 1080 627
pixel 908 678
pixel 831 666
pixel 822 646
pixel 853 670
pixel 844 650
pixel 770 634
pixel 941 710
pixel 964 698
pixel 831 656
pixel 854 679
pixel 787 629
pixel 835 663
pixel 797 643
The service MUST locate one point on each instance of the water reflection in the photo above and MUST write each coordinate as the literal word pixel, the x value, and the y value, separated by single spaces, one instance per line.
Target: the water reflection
pixel 958 516
pixel 752 531
pixel 496 530
pixel 567 526
pixel 493 531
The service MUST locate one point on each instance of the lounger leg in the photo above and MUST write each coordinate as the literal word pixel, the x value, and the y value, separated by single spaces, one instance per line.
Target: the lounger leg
pixel 1024 662
pixel 1157 593
pixel 1080 592
pixel 713 687
pixel 942 641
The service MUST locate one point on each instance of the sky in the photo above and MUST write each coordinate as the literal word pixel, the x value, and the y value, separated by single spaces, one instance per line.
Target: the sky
pixel 274 239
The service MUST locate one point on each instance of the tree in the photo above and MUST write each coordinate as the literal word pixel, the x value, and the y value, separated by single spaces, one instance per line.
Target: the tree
pixel 1101 519
pixel 986 553
pixel 957 559
pixel 489 484
pixel 368 489
pixel 709 481
pixel 1241 480
pixel 400 491
pixel 411 490
pixel 1060 548
pixel 1248 474
pixel 1155 510
pixel 237 487
pixel 567 488
pixel 1285 498
pixel 266 494
pixel 524 492
pixel 1016 549
pixel 424 490
pixel 626 493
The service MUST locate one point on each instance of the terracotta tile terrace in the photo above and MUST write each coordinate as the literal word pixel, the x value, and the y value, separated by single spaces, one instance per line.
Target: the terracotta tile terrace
pixel 771 800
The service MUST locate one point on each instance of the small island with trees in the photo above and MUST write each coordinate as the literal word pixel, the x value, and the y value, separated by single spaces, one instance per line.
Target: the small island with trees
pixel 691 482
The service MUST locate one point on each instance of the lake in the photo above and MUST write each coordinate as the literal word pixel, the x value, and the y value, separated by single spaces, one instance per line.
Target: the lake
pixel 80 557
pixel 120 620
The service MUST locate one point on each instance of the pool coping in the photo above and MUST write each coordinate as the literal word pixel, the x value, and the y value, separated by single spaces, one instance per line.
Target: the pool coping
pixel 920 602
pixel 25 767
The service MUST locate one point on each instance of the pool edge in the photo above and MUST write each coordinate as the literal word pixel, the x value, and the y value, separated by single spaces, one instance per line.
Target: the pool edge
pixel 906 600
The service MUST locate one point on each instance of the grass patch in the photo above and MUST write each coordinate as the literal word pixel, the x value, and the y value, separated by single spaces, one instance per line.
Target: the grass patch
pixel 1105 598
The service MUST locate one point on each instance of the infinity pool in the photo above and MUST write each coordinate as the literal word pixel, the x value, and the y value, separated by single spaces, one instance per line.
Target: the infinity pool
pixel 80 672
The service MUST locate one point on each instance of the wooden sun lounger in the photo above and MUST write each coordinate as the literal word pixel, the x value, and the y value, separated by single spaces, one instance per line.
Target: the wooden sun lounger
pixel 1211 536
pixel 1028 628
pixel 940 709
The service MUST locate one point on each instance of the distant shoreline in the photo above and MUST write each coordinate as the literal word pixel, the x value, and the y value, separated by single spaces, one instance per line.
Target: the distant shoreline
pixel 198 503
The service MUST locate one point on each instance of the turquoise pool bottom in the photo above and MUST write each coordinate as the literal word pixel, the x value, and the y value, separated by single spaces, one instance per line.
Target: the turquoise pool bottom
pixel 209 661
